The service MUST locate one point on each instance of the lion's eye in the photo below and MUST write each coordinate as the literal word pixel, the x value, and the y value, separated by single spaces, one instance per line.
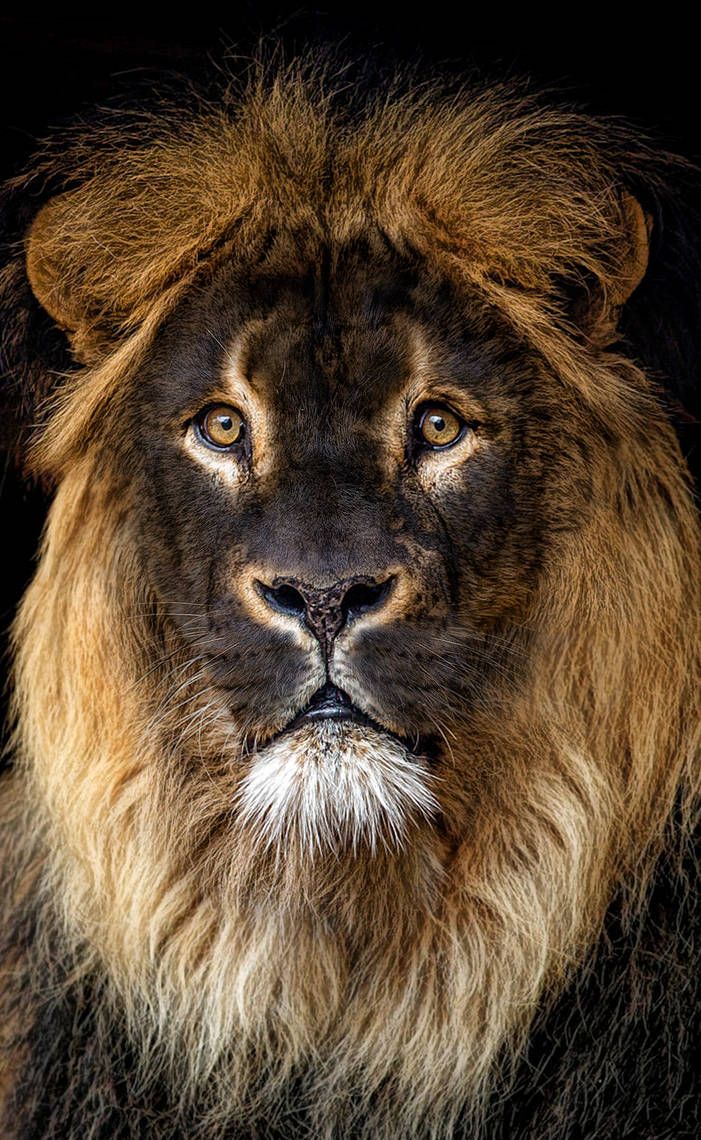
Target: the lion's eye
pixel 438 426
pixel 220 426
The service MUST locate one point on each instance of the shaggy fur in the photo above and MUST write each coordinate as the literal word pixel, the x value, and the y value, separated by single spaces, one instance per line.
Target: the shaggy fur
pixel 483 920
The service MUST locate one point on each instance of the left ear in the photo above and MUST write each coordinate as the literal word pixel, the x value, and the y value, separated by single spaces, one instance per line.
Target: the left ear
pixel 598 313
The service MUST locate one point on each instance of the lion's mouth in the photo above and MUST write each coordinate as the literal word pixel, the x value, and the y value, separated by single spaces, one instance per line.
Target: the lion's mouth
pixel 330 703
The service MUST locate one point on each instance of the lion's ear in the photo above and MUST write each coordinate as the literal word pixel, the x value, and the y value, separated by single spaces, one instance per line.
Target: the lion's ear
pixel 52 286
pixel 69 283
pixel 77 279
pixel 47 316
pixel 638 225
pixel 33 351
pixel 597 308
pixel 101 256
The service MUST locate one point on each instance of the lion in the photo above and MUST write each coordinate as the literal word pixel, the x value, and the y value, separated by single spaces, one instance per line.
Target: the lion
pixel 355 749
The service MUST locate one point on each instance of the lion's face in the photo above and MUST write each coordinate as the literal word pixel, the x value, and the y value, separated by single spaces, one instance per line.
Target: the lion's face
pixel 340 472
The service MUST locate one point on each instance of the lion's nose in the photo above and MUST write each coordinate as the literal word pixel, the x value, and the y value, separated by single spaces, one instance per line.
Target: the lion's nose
pixel 326 611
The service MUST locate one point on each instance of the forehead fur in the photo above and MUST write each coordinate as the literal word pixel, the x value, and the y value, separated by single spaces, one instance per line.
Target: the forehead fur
pixel 489 181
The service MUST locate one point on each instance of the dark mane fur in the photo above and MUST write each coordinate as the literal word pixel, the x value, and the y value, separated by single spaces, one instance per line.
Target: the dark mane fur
pixel 625 1069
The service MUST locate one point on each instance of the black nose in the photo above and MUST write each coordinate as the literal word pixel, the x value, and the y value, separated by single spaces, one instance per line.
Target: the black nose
pixel 325 611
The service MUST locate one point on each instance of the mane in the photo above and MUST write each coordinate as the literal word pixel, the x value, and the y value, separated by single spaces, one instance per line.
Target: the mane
pixel 133 873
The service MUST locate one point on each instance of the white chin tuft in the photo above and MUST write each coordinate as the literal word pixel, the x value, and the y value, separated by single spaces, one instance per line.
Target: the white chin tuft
pixel 334 785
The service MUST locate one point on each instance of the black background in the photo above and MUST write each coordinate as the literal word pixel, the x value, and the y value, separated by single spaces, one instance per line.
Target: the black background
pixel 644 69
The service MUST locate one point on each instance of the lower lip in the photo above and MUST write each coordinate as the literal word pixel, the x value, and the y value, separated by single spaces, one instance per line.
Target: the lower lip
pixel 336 714
pixel 349 716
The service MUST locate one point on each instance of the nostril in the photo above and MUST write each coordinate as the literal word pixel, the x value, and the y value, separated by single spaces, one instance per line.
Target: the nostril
pixel 363 597
pixel 284 598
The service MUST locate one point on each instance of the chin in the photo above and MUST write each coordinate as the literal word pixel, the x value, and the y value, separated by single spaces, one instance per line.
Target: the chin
pixel 336 787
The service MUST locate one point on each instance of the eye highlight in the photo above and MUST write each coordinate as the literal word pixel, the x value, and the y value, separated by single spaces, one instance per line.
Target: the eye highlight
pixel 437 426
pixel 220 426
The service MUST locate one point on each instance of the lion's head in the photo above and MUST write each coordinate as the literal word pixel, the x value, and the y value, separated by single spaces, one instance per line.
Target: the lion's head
pixel 360 668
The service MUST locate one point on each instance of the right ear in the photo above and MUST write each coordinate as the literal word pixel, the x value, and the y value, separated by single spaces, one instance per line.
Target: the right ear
pixel 50 277
pixel 34 353
pixel 81 262
pixel 86 273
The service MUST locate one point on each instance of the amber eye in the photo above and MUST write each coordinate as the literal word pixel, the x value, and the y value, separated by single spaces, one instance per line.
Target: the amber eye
pixel 437 426
pixel 220 426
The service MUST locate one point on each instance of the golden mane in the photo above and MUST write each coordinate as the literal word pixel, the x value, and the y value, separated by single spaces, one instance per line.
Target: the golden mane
pixel 395 996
